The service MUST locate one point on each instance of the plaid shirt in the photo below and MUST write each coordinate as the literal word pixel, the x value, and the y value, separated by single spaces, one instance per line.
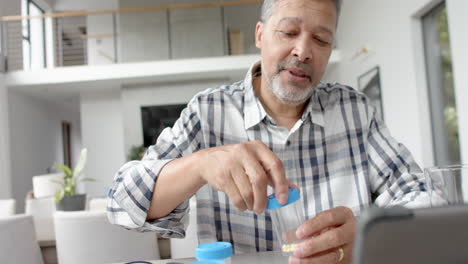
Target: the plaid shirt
pixel 338 153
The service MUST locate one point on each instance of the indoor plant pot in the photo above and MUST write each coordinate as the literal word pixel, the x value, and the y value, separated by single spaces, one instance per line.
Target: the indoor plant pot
pixel 72 203
pixel 67 197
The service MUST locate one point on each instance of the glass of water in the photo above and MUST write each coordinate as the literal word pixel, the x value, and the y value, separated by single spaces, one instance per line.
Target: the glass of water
pixel 448 185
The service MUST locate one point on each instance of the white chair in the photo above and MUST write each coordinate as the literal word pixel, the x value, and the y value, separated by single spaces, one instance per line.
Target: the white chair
pixel 7 207
pixel 97 204
pixel 100 204
pixel 42 210
pixel 18 242
pixel 44 185
pixel 185 248
pixel 88 237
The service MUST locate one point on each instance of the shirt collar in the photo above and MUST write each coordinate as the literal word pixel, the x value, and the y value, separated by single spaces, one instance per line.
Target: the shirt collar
pixel 316 106
pixel 254 112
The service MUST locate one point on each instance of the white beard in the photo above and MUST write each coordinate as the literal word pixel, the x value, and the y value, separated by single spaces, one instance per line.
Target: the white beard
pixel 289 96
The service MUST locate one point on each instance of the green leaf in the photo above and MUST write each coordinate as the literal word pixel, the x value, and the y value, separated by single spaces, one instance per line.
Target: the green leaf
pixel 68 189
pixel 73 189
pixel 65 169
pixel 58 182
pixel 59 195
pixel 136 152
pixel 87 180
pixel 81 163
pixel 71 178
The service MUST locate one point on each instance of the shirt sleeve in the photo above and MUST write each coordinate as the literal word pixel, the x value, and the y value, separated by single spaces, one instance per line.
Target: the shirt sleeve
pixel 130 196
pixel 395 177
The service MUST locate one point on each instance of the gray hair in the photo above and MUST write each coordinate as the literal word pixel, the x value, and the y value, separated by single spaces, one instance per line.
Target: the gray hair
pixel 267 9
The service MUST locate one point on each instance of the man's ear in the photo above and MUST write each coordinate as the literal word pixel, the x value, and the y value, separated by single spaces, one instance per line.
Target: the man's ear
pixel 258 34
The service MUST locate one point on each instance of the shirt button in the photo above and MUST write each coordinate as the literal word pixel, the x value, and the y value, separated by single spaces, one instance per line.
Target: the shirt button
pixel 288 142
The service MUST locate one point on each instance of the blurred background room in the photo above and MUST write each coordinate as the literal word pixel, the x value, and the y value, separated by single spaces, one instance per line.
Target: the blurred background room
pixel 109 75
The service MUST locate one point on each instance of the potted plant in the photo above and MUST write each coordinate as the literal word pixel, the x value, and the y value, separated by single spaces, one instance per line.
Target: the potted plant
pixel 67 198
pixel 136 152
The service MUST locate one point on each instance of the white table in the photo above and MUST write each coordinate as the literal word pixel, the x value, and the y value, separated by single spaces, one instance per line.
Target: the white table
pixel 257 258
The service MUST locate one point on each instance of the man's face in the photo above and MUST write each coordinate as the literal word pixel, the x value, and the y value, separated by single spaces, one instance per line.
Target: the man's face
pixel 296 43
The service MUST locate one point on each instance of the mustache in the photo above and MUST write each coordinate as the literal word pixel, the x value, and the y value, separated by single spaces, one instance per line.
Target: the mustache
pixel 295 63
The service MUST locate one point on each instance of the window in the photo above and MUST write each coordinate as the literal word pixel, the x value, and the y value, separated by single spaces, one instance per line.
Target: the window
pixel 441 87
pixel 33 36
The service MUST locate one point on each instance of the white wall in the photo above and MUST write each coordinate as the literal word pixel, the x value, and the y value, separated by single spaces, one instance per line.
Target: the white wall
pixel 102 134
pixel 458 20
pixel 111 123
pixel 88 5
pixel 392 32
pixel 45 4
pixel 143 36
pixel 133 98
pixel 10 8
pixel 196 33
pixel 101 50
pixel 5 181
pixel 193 32
pixel 245 23
pixel 14 41
pixel 36 139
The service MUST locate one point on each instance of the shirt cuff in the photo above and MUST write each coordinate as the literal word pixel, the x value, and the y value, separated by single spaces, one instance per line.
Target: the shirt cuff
pixel 129 200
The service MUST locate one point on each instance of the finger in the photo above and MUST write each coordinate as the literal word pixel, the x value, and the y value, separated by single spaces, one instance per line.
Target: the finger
pixel 230 188
pixel 244 186
pixel 292 185
pixel 275 170
pixel 329 256
pixel 289 236
pixel 330 218
pixel 259 184
pixel 258 180
pixel 328 240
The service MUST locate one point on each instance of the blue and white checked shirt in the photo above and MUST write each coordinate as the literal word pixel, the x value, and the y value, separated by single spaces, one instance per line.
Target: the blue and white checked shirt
pixel 338 153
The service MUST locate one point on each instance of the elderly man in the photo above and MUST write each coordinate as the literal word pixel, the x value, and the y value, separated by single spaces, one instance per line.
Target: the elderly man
pixel 278 127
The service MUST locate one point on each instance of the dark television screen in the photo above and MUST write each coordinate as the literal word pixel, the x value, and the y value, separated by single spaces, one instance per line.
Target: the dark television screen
pixel 156 118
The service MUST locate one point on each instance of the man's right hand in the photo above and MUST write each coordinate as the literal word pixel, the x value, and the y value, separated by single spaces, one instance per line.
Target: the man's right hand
pixel 243 172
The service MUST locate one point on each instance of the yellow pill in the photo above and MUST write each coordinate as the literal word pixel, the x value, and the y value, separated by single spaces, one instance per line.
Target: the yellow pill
pixel 289 247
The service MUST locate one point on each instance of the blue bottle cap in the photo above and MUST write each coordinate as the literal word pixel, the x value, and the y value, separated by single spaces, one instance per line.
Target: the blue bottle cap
pixel 208 262
pixel 214 250
pixel 274 204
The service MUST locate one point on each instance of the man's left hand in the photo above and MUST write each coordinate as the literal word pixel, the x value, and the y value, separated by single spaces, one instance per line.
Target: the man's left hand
pixel 328 238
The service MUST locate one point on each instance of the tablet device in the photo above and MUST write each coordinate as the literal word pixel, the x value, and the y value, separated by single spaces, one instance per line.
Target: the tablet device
pixel 400 235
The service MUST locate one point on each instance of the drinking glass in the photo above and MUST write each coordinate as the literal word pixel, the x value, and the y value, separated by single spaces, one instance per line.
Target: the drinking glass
pixel 448 185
